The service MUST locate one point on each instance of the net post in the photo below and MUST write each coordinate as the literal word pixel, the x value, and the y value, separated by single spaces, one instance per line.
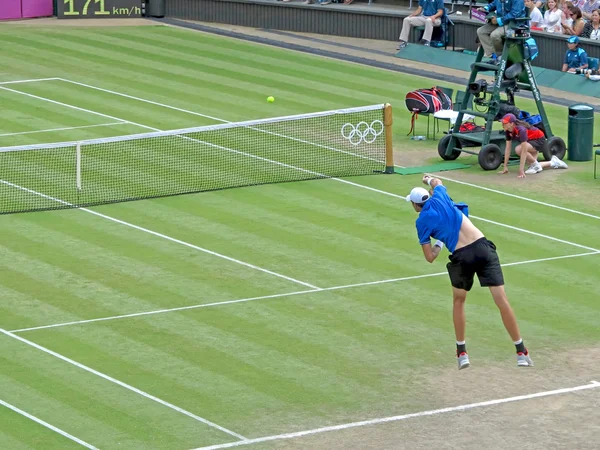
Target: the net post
pixel 78 166
pixel 389 148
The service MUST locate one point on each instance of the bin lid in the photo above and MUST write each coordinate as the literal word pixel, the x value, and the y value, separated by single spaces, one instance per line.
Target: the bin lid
pixel 581 110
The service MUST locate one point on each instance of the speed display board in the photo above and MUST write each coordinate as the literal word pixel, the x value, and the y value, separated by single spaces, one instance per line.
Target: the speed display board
pixel 98 9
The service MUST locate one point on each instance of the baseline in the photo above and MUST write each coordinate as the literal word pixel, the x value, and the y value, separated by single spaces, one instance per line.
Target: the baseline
pixel 47 425
pixel 33 80
pixel 63 129
pixel 122 384
pixel 287 294
pixel 434 412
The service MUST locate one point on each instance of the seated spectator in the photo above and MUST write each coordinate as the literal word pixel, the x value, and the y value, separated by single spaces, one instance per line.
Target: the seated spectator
pixel 492 33
pixel 589 7
pixel 591 30
pixel 535 15
pixel 553 17
pixel 428 14
pixel 577 24
pixel 565 7
pixel 576 57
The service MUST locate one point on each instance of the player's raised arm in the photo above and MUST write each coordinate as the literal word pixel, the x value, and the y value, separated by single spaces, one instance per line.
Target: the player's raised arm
pixel 432 182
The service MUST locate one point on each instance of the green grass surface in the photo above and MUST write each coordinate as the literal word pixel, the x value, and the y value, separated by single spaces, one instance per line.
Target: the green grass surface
pixel 258 367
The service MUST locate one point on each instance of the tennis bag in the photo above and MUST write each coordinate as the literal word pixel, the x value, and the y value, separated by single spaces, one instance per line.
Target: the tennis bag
pixel 426 101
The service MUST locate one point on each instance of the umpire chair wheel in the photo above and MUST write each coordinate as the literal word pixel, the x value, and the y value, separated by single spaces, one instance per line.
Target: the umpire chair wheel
pixel 490 157
pixel 555 146
pixel 443 145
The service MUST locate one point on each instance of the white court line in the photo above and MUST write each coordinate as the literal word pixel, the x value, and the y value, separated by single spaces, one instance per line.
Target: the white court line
pixel 287 294
pixel 108 91
pixel 434 412
pixel 63 129
pixel 122 384
pixel 226 121
pixel 47 425
pixel 122 222
pixel 34 80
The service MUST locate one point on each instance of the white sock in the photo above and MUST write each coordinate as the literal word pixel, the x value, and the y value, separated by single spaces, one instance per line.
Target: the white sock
pixel 518 342
pixel 462 342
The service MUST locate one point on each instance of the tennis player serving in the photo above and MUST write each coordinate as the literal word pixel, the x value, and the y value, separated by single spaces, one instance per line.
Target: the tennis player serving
pixel 471 253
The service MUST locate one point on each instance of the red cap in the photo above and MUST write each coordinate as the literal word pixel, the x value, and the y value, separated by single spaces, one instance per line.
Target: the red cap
pixel 509 118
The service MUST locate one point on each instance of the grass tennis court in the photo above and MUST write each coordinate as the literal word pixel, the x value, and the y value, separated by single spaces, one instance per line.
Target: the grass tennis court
pixel 243 315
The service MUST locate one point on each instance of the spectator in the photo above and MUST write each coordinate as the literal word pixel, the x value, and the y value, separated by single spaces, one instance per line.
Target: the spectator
pixel 492 33
pixel 535 15
pixel 566 9
pixel 589 7
pixel 428 14
pixel 578 3
pixel 553 17
pixel 577 24
pixel 576 57
pixel 591 30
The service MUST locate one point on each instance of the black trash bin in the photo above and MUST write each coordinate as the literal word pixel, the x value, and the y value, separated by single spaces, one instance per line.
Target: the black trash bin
pixel 581 132
pixel 155 8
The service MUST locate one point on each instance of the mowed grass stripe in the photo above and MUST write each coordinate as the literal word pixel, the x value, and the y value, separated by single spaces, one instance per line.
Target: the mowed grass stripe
pixel 215 59
pixel 158 70
pixel 20 433
pixel 219 74
pixel 91 408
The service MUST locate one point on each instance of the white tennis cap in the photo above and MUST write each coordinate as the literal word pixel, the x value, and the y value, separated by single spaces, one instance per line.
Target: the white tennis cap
pixel 418 195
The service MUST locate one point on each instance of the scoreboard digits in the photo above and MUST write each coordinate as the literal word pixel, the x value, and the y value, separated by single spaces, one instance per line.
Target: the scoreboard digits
pixel 81 9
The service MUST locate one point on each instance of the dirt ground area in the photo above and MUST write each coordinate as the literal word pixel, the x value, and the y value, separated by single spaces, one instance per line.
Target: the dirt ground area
pixel 568 420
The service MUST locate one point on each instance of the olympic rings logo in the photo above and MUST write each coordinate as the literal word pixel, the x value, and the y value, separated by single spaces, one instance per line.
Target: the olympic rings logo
pixel 362 132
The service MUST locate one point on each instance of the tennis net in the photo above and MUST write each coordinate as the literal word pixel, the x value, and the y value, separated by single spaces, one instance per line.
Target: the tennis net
pixel 338 143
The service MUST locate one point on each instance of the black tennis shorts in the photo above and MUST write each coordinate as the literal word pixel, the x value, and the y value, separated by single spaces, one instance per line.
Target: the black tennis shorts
pixel 479 258
pixel 538 144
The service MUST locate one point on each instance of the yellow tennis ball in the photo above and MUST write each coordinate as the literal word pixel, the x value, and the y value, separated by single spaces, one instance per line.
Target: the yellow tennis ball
pixel 270 99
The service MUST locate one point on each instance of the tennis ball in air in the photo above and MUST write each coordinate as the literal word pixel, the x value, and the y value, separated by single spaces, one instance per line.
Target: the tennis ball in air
pixel 270 99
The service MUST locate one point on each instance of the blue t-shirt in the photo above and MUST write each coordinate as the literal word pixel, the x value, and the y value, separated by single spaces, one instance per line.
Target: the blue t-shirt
pixel 430 7
pixel 440 219
pixel 574 59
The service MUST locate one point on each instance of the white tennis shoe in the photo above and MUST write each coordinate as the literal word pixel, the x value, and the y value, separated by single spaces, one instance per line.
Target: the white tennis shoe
pixel 556 163
pixel 536 167
pixel 463 361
